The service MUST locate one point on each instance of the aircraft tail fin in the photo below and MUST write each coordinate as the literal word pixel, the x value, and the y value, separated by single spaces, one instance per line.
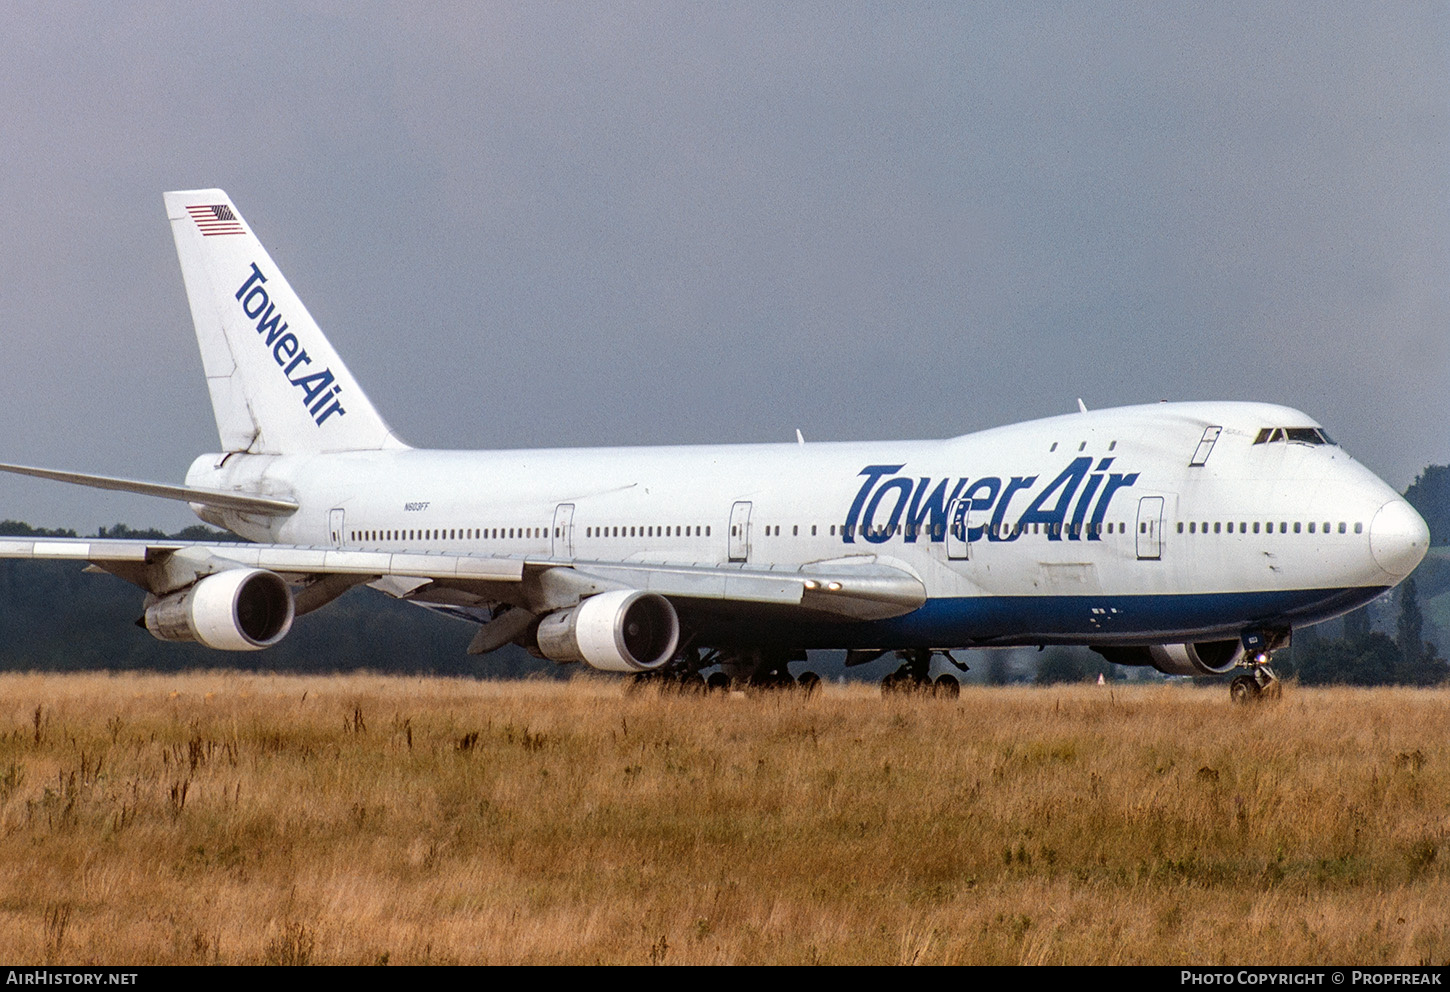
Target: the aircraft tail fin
pixel 277 386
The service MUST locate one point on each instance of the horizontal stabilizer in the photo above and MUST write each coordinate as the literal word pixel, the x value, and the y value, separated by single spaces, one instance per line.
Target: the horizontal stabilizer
pixel 222 500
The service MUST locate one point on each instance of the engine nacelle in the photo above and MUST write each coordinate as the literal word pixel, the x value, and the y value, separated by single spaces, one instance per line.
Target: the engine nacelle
pixel 240 609
pixel 625 630
pixel 1203 658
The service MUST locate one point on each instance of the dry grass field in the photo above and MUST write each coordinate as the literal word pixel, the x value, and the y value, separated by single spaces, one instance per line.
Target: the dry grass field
pixel 224 817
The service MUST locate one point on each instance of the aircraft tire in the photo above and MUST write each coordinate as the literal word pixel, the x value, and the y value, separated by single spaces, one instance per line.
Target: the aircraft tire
pixel 1244 689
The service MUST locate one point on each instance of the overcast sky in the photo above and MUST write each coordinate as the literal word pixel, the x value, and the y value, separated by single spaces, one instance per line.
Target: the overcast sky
pixel 579 224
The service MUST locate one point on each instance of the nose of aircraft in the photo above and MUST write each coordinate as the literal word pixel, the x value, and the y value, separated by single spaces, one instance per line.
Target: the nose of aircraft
pixel 1398 538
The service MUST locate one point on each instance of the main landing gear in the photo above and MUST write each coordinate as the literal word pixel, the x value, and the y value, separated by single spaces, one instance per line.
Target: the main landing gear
pixel 914 675
pixel 752 670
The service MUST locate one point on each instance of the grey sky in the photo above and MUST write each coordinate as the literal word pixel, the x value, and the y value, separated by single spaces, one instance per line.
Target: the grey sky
pixel 580 224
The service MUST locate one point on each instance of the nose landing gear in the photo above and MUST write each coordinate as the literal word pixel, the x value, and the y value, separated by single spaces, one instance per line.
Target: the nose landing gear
pixel 1259 682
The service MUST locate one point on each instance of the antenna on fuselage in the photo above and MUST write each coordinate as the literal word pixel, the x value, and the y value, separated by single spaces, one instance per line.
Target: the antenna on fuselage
pixel 1081 406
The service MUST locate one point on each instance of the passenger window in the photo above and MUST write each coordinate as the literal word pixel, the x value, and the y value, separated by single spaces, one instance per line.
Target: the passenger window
pixel 1311 526
pixel 1217 527
pixel 1297 525
pixel 1256 527
pixel 1341 527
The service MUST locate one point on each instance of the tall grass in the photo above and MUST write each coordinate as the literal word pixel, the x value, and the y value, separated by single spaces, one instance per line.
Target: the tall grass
pixel 223 817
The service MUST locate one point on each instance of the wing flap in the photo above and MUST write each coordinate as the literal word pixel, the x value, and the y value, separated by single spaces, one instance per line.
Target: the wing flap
pixel 864 591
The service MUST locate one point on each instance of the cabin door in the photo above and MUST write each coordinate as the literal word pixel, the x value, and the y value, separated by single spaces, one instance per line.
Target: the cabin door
pixel 1150 528
pixel 958 526
pixel 335 525
pixel 740 532
pixel 563 533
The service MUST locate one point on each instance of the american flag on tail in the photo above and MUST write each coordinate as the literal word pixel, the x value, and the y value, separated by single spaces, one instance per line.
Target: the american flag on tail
pixel 215 218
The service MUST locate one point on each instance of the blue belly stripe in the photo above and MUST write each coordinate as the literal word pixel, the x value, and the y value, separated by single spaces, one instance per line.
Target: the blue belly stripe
pixel 1031 620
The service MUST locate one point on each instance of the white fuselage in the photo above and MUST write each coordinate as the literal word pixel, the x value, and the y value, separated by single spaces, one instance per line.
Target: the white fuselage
pixel 1094 527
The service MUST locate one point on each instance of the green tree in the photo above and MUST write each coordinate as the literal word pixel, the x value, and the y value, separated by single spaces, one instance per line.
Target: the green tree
pixel 1370 659
pixel 998 671
pixel 1430 494
pixel 1356 624
pixel 16 528
pixel 1410 627
pixel 1059 665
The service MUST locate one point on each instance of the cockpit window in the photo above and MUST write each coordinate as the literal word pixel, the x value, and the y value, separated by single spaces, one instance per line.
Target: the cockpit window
pixel 1298 435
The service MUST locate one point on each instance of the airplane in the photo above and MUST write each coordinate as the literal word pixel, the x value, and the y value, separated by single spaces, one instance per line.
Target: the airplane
pixel 1192 537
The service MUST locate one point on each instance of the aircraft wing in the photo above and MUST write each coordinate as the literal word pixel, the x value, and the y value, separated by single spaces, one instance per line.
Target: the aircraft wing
pixel 853 588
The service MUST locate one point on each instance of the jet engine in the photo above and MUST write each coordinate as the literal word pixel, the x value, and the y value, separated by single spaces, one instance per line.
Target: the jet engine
pixel 240 609
pixel 1203 658
pixel 624 630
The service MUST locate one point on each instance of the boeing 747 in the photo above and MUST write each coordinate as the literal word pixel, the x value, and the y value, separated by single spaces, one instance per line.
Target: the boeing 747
pixel 1192 537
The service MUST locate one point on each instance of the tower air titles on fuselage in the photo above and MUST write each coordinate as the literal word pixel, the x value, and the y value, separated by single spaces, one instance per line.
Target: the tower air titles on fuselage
pixel 921 505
